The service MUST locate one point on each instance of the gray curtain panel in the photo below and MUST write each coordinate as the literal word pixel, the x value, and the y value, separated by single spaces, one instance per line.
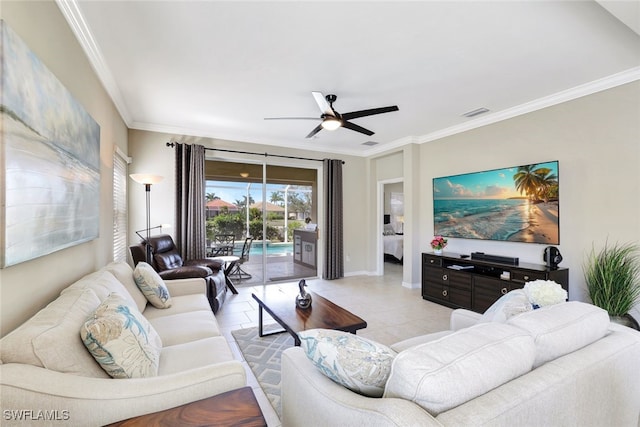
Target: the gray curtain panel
pixel 190 189
pixel 333 232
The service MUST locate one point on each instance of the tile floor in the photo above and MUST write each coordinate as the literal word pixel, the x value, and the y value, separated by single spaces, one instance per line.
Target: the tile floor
pixel 393 313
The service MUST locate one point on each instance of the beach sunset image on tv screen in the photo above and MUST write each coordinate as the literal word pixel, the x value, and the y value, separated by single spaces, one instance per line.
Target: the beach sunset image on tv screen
pixel 517 204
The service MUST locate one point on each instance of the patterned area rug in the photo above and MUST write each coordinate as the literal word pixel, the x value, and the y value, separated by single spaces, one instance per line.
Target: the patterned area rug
pixel 263 357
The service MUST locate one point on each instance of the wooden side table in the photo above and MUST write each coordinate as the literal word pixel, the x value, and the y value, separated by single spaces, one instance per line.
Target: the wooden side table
pixel 233 408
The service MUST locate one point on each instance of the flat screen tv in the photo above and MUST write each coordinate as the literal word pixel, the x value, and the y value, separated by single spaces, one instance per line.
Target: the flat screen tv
pixel 516 204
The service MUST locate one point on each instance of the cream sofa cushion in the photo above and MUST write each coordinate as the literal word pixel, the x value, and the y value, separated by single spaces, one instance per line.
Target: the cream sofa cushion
pixel 456 368
pixel 194 354
pixel 181 304
pixel 50 338
pixel 124 273
pixel 121 340
pixel 562 328
pixel 421 339
pixel 185 327
pixel 103 283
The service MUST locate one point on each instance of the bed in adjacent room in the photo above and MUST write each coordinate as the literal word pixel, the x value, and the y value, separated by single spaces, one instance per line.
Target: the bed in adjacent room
pixel 392 244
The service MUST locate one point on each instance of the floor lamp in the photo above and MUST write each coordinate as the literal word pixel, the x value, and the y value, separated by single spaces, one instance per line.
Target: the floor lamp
pixel 147 180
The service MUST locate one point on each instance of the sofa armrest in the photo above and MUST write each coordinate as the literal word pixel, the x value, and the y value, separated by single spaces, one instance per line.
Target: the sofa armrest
pixel 310 398
pixel 178 287
pixel 462 318
pixel 100 401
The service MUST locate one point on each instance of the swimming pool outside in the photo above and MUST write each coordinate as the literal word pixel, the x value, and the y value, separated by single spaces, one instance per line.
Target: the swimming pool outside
pixel 273 248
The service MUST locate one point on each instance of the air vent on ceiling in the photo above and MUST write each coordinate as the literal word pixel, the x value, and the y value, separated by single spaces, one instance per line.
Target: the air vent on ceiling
pixel 476 112
pixel 370 143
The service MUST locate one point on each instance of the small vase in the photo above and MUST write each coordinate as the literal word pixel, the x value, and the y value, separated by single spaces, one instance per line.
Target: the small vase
pixel 437 251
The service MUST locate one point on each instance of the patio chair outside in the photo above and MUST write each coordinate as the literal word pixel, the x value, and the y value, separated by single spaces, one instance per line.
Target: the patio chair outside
pixel 222 245
pixel 238 273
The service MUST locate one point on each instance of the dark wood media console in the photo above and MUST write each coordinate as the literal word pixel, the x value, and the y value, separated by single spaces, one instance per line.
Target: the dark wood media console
pixel 473 284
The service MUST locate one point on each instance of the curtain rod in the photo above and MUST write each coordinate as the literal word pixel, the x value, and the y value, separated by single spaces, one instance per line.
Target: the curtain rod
pixel 172 144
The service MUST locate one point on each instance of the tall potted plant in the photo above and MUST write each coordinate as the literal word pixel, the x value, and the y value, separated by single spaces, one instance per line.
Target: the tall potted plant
pixel 613 280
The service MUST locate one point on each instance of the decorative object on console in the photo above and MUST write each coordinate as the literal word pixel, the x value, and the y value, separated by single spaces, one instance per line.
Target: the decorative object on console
pixel 495 258
pixel 438 244
pixel 519 204
pixel 552 256
pixel 544 292
pixel 613 280
pixel 147 180
pixel 303 299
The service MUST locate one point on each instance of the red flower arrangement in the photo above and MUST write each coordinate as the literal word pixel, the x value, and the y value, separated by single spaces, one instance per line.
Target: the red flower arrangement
pixel 438 242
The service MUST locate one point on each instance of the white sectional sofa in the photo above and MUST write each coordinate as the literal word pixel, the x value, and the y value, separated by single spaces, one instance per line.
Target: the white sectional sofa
pixel 48 377
pixel 561 365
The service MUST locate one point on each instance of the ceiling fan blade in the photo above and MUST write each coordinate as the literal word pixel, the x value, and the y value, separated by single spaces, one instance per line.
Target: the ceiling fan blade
pixel 293 118
pixel 352 126
pixel 314 131
pixel 370 112
pixel 324 106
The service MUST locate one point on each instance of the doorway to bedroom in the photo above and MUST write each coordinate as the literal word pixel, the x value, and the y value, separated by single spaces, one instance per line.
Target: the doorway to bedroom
pixel 392 215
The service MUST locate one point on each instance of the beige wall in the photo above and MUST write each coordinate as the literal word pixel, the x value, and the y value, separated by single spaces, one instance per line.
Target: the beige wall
pixel 27 287
pixel 597 142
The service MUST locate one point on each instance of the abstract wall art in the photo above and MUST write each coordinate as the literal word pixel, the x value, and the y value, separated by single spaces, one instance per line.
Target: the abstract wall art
pixel 49 159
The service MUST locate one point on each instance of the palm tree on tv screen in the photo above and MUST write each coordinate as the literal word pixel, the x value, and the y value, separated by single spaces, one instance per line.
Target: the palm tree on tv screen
pixel 537 184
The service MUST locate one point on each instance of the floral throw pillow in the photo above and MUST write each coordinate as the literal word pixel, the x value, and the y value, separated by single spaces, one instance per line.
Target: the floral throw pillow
pixel 121 340
pixel 359 364
pixel 152 285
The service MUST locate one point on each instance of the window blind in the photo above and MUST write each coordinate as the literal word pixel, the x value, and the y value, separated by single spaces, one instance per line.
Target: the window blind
pixel 119 207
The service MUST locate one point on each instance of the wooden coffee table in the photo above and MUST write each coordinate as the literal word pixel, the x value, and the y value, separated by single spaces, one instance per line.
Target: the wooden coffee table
pixel 233 408
pixel 280 303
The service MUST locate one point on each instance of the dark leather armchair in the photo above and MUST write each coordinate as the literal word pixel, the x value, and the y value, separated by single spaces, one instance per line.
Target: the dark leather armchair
pixel 168 262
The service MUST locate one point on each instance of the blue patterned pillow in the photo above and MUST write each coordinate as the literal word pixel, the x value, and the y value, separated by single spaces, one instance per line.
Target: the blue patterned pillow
pixel 121 340
pixel 152 285
pixel 359 364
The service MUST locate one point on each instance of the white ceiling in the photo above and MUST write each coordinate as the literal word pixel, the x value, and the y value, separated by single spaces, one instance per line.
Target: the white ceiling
pixel 218 68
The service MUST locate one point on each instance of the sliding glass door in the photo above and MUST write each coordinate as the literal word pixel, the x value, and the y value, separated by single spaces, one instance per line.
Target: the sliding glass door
pixel 268 204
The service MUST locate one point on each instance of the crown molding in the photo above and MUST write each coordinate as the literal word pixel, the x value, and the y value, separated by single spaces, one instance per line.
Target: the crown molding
pixel 72 14
pixel 586 89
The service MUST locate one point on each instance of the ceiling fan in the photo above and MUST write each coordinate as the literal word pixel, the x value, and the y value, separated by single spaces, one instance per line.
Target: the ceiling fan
pixel 332 120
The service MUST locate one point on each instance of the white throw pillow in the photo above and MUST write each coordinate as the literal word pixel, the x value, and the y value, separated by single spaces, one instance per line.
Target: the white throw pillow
pixel 456 368
pixel 121 340
pixel 507 306
pixel 152 285
pixel 359 364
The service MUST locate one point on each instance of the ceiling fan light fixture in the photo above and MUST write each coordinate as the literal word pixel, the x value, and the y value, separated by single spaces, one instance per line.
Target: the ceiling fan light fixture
pixel 331 123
